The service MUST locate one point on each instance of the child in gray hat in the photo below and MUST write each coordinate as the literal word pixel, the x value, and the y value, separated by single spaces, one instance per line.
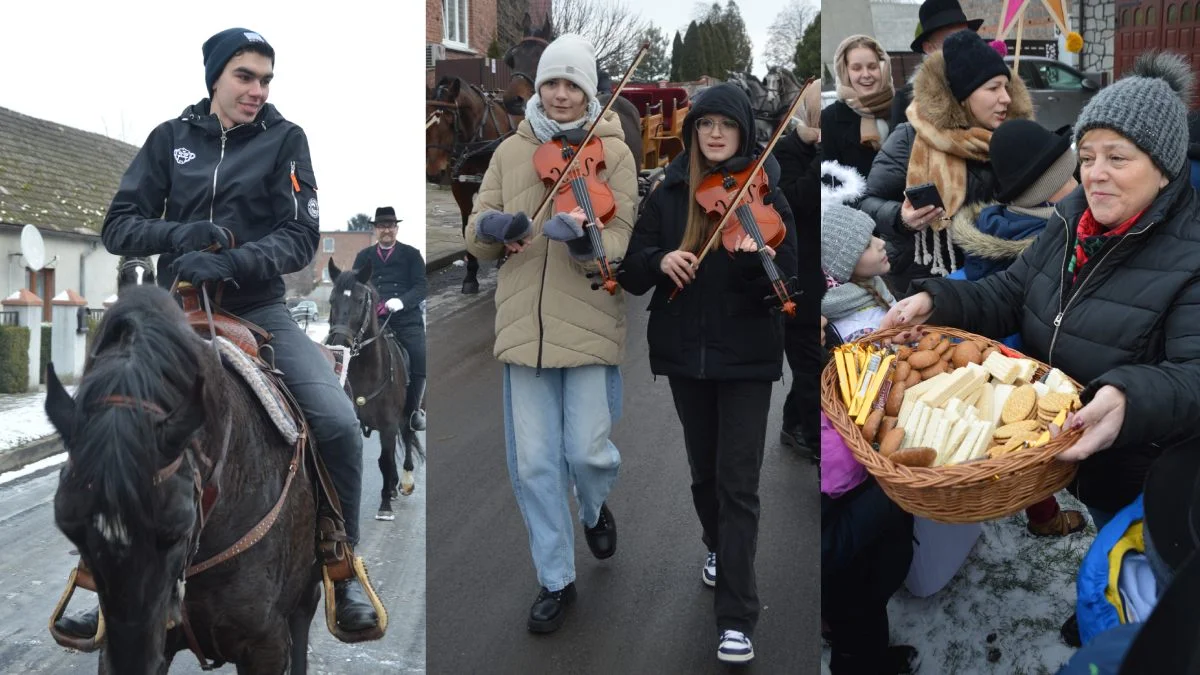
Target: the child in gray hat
pixel 854 261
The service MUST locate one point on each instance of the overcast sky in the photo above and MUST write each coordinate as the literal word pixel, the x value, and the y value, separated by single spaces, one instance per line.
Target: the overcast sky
pixel 674 15
pixel 347 72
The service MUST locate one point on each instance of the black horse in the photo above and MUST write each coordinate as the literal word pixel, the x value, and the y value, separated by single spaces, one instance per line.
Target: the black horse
pixel 156 416
pixel 135 271
pixel 377 374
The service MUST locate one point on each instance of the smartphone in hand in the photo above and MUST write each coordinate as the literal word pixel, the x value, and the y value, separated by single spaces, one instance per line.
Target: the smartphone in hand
pixel 924 195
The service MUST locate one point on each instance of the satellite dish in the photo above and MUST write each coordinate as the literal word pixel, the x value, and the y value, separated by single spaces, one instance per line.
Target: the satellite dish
pixel 33 248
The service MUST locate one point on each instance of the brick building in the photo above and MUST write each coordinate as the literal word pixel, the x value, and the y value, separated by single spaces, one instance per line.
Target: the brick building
pixel 342 246
pixel 457 29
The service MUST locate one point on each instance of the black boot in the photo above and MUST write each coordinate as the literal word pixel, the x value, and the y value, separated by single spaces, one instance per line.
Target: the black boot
pixel 82 625
pixel 354 609
pixel 550 609
pixel 412 402
pixel 602 537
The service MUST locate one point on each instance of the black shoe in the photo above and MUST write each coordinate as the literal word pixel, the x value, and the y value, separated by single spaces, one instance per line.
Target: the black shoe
pixel 550 608
pixel 470 286
pixel 602 537
pixel 1070 632
pixel 903 659
pixel 354 610
pixel 82 625
pixel 795 439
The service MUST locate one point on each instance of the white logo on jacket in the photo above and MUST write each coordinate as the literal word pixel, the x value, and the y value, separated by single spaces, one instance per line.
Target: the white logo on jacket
pixel 183 155
pixel 312 208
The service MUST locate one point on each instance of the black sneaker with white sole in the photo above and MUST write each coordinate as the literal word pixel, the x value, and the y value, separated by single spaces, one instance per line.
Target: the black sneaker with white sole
pixel 735 647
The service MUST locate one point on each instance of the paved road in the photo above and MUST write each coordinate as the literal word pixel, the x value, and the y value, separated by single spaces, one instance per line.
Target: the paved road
pixel 35 560
pixel 642 611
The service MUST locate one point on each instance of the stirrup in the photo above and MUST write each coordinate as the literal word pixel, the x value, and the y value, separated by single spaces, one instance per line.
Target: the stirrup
pixel 79 578
pixel 359 571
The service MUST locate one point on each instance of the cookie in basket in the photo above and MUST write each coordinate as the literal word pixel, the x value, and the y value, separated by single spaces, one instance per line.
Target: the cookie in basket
pixel 1021 405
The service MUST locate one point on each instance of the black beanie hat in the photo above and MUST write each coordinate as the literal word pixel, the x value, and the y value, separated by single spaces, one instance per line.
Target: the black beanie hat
pixel 221 47
pixel 970 62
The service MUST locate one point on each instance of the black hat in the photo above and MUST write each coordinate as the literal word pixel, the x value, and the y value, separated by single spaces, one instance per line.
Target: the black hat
pixel 970 62
pixel 221 47
pixel 935 14
pixel 1022 152
pixel 385 214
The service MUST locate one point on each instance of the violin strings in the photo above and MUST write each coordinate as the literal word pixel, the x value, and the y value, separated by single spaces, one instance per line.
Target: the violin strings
pixel 584 199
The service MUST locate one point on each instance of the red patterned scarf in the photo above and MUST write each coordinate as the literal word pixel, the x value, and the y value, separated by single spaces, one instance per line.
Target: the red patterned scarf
pixel 1091 236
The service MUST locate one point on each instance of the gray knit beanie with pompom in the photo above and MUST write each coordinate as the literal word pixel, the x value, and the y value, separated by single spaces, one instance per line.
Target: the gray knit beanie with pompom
pixel 1149 107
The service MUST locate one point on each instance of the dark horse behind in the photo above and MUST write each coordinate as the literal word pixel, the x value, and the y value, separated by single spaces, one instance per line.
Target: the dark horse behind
pixel 154 413
pixel 464 125
pixel 378 377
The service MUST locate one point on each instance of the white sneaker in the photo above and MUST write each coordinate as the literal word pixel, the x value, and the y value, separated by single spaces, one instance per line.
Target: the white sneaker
pixel 709 573
pixel 735 647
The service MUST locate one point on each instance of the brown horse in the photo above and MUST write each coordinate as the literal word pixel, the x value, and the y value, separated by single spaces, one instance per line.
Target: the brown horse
pixel 523 60
pixel 463 128
pixel 156 417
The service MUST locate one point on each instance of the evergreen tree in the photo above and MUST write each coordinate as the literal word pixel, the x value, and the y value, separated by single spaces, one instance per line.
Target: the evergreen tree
pixel 677 58
pixel 808 51
pixel 740 47
pixel 692 63
pixel 655 66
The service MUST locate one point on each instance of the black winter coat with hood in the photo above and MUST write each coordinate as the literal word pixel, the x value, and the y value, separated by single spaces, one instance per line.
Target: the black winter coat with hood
pixel 723 326
pixel 1130 321
pixel 254 179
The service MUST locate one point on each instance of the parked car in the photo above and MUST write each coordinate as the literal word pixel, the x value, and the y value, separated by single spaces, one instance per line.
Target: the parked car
pixel 304 312
pixel 1059 91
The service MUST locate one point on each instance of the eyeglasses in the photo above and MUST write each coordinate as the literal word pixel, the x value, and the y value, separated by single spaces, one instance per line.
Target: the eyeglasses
pixel 386 226
pixel 706 124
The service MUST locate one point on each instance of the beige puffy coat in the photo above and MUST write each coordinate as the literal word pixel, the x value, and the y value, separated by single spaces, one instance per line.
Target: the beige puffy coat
pixel 547 314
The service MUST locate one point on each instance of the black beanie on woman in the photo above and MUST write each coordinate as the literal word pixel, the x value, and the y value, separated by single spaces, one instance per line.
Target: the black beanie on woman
pixel 970 62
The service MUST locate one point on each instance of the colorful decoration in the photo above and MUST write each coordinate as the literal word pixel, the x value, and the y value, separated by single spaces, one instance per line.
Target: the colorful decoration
pixel 1000 46
pixel 1058 12
pixel 1010 13
pixel 1074 42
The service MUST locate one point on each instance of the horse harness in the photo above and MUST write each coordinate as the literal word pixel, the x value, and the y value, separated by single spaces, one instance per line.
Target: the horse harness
pixel 516 74
pixel 466 145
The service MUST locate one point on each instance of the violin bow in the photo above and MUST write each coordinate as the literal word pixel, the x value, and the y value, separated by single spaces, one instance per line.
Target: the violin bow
pixel 637 59
pixel 758 163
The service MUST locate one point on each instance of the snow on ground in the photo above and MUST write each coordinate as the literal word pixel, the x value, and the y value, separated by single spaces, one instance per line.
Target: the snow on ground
pixel 1002 612
pixel 23 418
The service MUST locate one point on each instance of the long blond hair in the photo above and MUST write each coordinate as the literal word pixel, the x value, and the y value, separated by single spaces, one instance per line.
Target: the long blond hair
pixel 699 226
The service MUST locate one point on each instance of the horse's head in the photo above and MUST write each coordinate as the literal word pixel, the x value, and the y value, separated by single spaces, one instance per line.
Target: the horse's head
pixel 442 125
pixel 522 59
pixel 127 497
pixel 135 271
pixel 352 307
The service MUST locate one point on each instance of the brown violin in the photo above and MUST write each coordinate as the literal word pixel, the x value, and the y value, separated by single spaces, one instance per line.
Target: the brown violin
pixel 580 188
pixel 572 185
pixel 752 217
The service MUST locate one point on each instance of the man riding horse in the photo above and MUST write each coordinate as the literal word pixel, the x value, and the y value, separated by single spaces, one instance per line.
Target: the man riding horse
pixel 398 273
pixel 234 164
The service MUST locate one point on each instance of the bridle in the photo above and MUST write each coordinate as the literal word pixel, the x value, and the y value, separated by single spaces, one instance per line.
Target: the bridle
pixel 525 76
pixel 358 343
pixel 464 142
pixel 132 264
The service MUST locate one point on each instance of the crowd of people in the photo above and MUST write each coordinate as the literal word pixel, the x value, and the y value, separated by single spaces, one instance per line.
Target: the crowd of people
pixel 1077 246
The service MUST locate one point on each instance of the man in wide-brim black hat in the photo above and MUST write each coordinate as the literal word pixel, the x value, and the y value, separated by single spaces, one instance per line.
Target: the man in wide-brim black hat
pixel 938 19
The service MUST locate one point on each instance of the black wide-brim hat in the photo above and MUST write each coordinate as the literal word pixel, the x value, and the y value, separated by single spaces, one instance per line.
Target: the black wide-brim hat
pixel 935 14
pixel 1012 164
pixel 385 214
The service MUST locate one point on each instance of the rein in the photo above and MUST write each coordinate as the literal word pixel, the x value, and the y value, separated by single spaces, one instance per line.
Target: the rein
pixel 357 344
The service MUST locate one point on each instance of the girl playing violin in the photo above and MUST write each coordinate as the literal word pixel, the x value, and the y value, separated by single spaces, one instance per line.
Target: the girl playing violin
pixel 720 344
pixel 560 341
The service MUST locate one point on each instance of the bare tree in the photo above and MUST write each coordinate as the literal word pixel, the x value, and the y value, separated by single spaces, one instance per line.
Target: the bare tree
pixel 613 28
pixel 787 30
pixel 301 283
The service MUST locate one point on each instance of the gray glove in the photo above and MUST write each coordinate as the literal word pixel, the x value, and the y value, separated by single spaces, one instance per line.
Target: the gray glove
pixel 562 227
pixel 495 227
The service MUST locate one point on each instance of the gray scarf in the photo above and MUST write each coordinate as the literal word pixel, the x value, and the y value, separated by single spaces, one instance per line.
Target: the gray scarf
pixel 545 128
pixel 848 298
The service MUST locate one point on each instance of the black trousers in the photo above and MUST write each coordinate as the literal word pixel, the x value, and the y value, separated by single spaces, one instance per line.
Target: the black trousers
pixel 805 357
pixel 412 336
pixel 866 550
pixel 724 431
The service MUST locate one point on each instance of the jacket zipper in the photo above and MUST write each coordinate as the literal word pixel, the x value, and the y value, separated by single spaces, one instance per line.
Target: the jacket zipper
pixel 541 320
pixel 212 208
pixel 1062 309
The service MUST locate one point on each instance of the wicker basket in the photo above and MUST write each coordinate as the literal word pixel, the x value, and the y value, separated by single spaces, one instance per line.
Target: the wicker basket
pixel 958 493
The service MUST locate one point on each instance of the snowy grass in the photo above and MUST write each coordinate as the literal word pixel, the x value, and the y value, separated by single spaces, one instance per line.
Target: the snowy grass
pixel 1002 611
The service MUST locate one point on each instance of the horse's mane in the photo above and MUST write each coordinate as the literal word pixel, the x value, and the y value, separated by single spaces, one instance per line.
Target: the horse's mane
pixel 143 351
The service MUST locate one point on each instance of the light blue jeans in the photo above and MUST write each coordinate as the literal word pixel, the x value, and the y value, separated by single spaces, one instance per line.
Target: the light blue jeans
pixel 556 425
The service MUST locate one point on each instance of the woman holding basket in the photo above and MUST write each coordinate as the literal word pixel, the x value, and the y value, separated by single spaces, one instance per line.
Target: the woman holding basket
pixel 1110 291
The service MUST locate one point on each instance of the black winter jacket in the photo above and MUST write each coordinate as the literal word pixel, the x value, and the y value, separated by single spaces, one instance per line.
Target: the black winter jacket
pixel 800 182
pixel 841 138
pixel 1130 321
pixel 401 275
pixel 885 194
pixel 242 179
pixel 722 325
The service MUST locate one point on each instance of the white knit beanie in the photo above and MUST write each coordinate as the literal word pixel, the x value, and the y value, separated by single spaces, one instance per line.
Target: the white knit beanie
pixel 570 57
